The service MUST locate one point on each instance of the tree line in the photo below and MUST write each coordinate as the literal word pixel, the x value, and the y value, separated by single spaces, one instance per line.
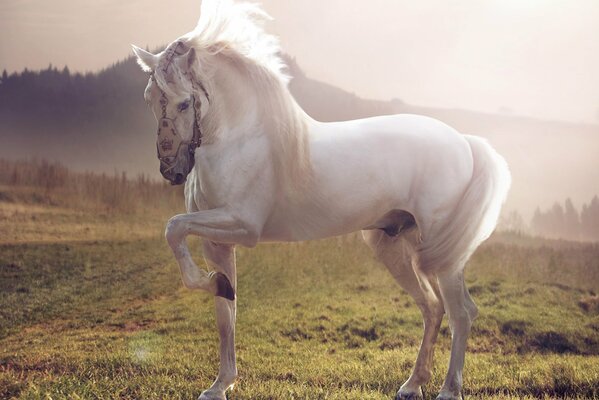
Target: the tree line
pixel 55 100
pixel 561 221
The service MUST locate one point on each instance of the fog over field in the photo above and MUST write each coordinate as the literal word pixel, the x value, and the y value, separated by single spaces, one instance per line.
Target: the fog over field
pixel 533 57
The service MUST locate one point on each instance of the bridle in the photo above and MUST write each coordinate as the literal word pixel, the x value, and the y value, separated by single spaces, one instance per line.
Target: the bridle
pixel 169 141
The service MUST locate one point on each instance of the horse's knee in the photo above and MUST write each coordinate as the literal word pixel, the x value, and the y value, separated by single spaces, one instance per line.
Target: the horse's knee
pixel 174 232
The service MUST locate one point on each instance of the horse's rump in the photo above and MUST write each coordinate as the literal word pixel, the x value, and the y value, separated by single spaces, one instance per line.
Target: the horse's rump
pixel 475 215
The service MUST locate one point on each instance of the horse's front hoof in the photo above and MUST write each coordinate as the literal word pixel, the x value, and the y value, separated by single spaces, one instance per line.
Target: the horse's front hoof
pixel 212 395
pixel 409 392
pixel 449 396
pixel 409 396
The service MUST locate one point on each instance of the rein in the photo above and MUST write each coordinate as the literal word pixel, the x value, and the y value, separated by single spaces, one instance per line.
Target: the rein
pixel 169 140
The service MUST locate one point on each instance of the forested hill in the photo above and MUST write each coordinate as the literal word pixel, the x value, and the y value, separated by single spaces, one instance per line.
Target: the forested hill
pixel 100 122
pixel 92 121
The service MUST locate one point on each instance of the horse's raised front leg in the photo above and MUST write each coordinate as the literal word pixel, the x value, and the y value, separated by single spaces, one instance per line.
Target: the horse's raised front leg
pixel 221 257
pixel 218 226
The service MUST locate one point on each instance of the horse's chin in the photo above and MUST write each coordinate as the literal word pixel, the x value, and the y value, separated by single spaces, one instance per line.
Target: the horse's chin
pixel 178 180
pixel 177 171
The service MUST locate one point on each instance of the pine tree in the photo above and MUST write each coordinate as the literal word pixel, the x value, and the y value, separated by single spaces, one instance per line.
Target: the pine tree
pixel 571 221
pixel 589 218
pixel 584 212
pixel 556 220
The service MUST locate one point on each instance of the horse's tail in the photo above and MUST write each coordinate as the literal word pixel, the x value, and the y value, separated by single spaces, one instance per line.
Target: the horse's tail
pixel 475 216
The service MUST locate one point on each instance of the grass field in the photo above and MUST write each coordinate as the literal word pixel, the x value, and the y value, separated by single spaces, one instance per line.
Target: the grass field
pixel 87 313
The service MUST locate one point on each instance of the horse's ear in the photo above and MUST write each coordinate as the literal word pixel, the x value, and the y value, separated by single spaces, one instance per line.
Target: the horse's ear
pixel 146 60
pixel 191 58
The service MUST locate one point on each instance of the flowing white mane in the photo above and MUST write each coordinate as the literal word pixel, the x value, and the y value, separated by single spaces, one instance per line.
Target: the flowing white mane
pixel 238 27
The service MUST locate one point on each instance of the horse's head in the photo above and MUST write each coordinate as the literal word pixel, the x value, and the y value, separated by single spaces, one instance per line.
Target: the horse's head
pixel 176 98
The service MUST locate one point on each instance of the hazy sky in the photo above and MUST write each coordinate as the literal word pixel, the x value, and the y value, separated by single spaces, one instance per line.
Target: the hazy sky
pixel 530 57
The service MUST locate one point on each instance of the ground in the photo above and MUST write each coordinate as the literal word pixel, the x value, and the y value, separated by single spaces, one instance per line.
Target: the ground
pixel 92 306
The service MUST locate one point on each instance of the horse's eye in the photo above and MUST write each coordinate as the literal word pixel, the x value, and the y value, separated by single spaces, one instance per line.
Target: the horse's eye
pixel 184 106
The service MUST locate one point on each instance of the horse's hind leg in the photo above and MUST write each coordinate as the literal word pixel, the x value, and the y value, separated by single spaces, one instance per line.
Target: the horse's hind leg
pixel 469 303
pixel 398 255
pixel 461 312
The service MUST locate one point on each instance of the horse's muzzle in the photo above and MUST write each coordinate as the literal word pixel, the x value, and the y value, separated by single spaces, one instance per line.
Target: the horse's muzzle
pixel 175 169
pixel 178 180
pixel 174 177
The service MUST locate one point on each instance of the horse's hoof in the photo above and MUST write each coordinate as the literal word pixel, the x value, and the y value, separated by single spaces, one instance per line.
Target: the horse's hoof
pixel 449 396
pixel 223 287
pixel 209 395
pixel 409 396
pixel 407 393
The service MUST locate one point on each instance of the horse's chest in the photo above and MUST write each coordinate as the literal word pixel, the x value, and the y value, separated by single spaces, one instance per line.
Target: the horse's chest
pixel 227 176
pixel 201 202
pixel 206 196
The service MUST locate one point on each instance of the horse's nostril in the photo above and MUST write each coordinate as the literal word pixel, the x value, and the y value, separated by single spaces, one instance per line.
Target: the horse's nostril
pixel 179 179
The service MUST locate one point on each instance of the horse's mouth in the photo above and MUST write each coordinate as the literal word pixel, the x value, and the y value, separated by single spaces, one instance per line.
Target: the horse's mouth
pixel 178 180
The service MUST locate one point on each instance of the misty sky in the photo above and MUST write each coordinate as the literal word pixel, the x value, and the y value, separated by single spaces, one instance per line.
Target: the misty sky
pixel 530 57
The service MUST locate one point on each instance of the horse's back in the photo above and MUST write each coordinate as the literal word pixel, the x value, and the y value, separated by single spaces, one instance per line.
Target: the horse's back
pixel 409 159
pixel 396 126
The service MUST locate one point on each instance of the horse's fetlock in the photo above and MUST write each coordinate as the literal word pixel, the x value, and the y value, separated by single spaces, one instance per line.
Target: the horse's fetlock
pixel 424 374
pixel 231 377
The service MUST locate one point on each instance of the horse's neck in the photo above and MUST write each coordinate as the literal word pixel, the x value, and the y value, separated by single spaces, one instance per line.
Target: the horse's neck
pixel 235 111
pixel 243 103
pixel 255 108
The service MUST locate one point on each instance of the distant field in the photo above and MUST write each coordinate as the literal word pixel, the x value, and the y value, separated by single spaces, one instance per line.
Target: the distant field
pixel 91 306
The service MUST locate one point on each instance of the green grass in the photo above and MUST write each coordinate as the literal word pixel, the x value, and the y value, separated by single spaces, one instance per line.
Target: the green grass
pixel 319 320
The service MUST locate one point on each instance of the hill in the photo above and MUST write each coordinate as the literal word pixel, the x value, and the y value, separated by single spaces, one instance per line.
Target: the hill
pixel 100 122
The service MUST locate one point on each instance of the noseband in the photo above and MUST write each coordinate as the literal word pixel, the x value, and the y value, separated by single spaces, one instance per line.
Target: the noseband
pixel 170 142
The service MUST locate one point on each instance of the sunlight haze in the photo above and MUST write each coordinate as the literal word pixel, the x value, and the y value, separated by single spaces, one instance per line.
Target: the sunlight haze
pixel 534 57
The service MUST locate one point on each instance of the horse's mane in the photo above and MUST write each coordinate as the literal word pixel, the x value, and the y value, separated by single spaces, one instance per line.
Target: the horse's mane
pixel 238 27
pixel 235 31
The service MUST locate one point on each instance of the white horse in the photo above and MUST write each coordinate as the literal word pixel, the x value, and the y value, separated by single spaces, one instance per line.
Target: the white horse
pixel 257 168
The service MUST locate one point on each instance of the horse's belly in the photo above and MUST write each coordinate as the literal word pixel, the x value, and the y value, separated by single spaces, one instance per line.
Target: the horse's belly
pixel 322 219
